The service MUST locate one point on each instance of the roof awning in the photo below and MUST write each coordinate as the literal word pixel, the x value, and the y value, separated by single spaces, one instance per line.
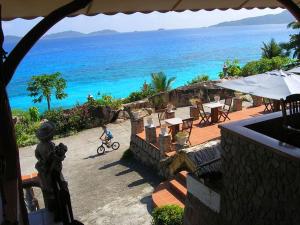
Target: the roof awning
pixel 29 9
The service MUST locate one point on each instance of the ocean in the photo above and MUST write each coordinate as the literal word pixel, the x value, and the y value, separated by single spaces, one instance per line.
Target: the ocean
pixel 118 64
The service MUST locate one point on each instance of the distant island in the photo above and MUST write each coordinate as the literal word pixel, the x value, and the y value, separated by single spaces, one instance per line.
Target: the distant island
pixel 65 34
pixel 282 18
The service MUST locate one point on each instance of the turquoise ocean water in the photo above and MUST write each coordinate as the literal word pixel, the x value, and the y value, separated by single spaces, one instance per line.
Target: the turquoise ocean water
pixel 119 63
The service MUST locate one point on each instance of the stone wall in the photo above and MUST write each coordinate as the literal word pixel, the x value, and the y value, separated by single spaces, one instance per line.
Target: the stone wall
pixel 260 186
pixel 145 152
pixel 196 213
pixel 180 97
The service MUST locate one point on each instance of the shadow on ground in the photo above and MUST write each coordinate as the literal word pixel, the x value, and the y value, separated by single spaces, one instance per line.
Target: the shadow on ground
pixel 147 174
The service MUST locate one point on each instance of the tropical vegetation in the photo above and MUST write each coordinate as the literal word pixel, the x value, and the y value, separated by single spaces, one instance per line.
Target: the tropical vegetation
pixel 272 49
pixel 168 215
pixel 161 83
pixel 44 86
pixel 198 79
pixel 145 91
pixel 293 46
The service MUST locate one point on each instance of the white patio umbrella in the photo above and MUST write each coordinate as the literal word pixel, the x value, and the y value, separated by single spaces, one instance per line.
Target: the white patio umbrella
pixel 295 70
pixel 274 85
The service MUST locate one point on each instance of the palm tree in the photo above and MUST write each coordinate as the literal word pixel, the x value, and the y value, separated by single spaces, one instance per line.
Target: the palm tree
pixel 160 82
pixel 294 44
pixel 272 49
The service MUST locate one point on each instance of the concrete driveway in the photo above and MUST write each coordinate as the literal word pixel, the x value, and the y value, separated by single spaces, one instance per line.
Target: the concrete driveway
pixel 104 190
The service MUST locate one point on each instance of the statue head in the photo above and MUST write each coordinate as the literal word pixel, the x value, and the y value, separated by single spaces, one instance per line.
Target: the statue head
pixel 46 131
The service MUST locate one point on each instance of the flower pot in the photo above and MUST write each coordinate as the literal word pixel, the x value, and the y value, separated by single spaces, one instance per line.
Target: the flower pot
pixel 181 138
pixel 163 130
pixel 150 122
pixel 217 98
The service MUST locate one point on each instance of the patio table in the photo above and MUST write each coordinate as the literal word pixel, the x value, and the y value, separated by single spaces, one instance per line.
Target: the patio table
pixel 214 106
pixel 174 123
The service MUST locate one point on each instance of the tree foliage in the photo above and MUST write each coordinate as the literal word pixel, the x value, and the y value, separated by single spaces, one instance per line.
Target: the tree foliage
pixel 161 83
pixel 293 46
pixel 233 68
pixel 264 65
pixel 199 78
pixel 168 215
pixel 272 49
pixel 44 86
pixel 145 91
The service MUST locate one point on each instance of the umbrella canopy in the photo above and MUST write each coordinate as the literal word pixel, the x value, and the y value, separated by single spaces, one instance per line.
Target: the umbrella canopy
pixel 273 85
pixel 294 70
pixel 34 8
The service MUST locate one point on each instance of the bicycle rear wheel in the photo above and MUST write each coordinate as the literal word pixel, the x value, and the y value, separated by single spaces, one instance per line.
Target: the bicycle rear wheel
pixel 100 150
pixel 115 145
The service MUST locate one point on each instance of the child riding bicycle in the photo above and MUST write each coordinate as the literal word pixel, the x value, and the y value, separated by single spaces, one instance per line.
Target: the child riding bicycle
pixel 107 135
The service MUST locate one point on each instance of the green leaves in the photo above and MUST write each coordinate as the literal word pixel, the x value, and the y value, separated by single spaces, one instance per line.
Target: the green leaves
pixel 293 46
pixel 43 86
pixel 264 65
pixel 198 79
pixel 160 82
pixel 272 49
pixel 168 215
pixel 233 68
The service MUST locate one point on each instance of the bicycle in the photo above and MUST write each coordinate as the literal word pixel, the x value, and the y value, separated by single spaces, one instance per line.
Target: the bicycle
pixel 101 149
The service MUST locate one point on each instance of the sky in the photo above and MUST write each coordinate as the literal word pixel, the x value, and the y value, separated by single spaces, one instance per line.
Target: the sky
pixel 138 21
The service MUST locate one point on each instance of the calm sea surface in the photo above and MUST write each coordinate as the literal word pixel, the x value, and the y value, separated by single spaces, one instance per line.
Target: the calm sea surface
pixel 119 63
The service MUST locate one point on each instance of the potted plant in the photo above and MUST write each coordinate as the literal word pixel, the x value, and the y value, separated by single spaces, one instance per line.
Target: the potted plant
pixel 150 122
pixel 217 98
pixel 194 101
pixel 163 129
pixel 181 137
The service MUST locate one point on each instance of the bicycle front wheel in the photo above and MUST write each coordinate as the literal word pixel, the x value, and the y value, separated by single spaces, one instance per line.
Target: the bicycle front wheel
pixel 115 145
pixel 100 150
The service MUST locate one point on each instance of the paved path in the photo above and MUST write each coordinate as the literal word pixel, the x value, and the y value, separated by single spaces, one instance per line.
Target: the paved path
pixel 104 190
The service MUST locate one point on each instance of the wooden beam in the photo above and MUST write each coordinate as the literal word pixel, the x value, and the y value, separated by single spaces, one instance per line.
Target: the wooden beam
pixel 12 187
pixel 292 7
pixel 27 42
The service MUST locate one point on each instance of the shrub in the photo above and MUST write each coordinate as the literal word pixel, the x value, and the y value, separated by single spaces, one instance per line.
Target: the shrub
pixel 25 133
pixel 168 215
pixel 198 79
pixel 108 100
pixel 146 91
pixel 233 69
pixel 264 65
pixel 59 119
pixel 34 113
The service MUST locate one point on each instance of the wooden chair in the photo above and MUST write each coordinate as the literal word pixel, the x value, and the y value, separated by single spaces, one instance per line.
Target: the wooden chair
pixel 161 114
pixel 269 107
pixel 187 125
pixel 291 121
pixel 204 116
pixel 225 110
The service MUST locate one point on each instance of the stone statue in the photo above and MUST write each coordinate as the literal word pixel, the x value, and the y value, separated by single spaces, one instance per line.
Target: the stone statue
pixel 49 164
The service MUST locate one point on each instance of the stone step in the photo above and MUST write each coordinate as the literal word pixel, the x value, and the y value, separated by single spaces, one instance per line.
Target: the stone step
pixel 163 195
pixel 178 189
pixel 182 177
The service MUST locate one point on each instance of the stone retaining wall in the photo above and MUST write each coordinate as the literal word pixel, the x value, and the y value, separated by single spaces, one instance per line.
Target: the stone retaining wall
pixel 180 97
pixel 145 152
pixel 260 186
pixel 196 213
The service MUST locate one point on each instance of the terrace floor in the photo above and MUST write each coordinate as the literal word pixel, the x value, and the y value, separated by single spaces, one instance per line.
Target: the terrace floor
pixel 202 134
